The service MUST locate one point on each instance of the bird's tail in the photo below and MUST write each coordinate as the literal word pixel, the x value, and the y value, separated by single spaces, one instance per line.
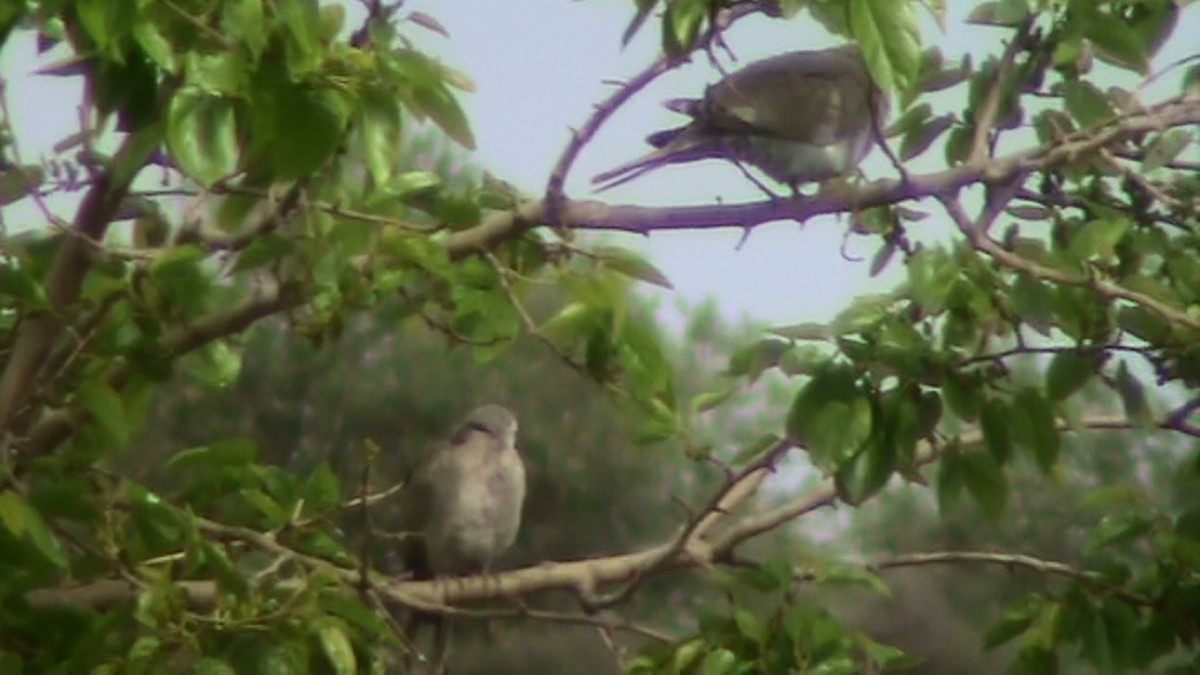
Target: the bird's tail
pixel 673 147
pixel 661 140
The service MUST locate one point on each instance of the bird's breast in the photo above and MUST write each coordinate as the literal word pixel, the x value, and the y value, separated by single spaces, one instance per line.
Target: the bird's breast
pixel 795 162
pixel 477 516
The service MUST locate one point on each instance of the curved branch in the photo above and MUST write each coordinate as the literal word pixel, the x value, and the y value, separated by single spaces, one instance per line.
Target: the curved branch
pixel 1010 560
pixel 985 244
pixel 595 215
pixel 581 577
pixel 554 197
pixel 53 428
pixel 37 333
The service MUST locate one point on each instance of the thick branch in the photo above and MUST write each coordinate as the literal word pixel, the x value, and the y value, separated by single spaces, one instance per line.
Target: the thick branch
pixel 553 198
pixel 55 427
pixel 583 577
pixel 63 281
pixel 596 215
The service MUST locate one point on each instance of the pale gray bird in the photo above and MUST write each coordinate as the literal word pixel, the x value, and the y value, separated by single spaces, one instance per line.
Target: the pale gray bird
pixel 799 117
pixel 463 503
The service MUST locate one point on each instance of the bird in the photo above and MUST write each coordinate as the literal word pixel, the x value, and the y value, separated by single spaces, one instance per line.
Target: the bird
pixel 799 117
pixel 462 505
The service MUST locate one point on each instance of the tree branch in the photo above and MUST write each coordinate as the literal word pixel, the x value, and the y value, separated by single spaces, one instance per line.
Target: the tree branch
pixel 582 577
pixel 977 236
pixel 595 215
pixel 37 332
pixel 554 198
pixel 56 426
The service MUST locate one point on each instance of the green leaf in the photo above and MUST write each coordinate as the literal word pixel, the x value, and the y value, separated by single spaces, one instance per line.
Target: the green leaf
pixel 1119 528
pixel 1165 148
pixel 932 273
pixel 868 471
pixel 143 650
pixel 986 483
pixel 632 265
pixel 1144 323
pixel 1111 36
pixel 303 21
pixel 918 140
pixel 1005 14
pixel 958 145
pixel 751 360
pixel 949 480
pixel 1033 302
pixel 719 662
pixel 280 658
pixel 681 25
pixel 711 399
pixel 413 183
pixel 1133 398
pixel 19 283
pixel 335 644
pixel 750 625
pixel 10 14
pixel 213 666
pixel 1016 620
pixel 381 134
pixel 322 491
pixel 105 22
pixel 995 421
pixel 913 119
pixel 178 276
pixel 1187 525
pixel 1129 36
pixel 24 522
pixel 1098 239
pixel 836 574
pixel 244 21
pixel 1086 103
pixel 157 46
pixel 202 134
pixel 687 654
pixel 442 107
pixel 107 410
pixel 308 123
pixel 864 313
pixel 219 73
pixel 1189 84
pixel 831 416
pixel 262 250
pixel 1068 373
pixel 236 452
pixel 962 397
pixel 755 449
pixel 889 36
pixel 14 512
pixel 1035 429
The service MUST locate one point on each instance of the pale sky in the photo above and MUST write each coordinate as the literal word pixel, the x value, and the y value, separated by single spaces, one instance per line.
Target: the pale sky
pixel 539 66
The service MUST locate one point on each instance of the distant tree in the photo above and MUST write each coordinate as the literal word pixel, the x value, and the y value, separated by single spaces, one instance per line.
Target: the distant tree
pixel 243 162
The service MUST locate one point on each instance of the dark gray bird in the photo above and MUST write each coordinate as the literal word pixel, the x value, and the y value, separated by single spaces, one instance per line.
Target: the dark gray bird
pixel 462 506
pixel 799 117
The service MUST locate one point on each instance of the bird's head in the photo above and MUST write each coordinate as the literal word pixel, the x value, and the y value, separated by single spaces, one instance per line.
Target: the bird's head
pixel 492 419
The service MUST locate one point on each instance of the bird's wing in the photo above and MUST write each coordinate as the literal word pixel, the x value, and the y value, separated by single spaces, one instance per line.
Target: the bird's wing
pixel 811 97
pixel 416 507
